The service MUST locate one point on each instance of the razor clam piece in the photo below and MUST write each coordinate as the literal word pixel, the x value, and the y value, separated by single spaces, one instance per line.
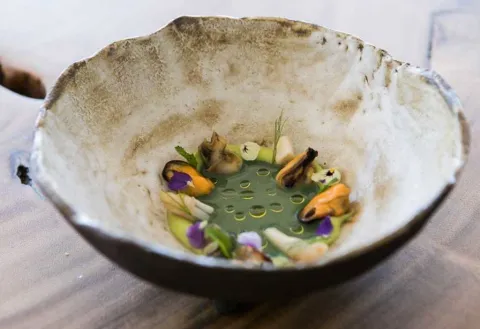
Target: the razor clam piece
pixel 285 151
pixel 185 206
pixel 296 249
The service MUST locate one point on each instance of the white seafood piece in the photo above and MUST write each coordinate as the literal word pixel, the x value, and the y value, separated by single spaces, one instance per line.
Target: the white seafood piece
pixel 295 248
pixel 285 151
pixel 249 151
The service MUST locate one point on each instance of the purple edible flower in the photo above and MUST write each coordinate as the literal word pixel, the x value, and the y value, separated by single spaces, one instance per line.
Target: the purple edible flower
pixel 179 181
pixel 325 228
pixel 251 239
pixel 196 236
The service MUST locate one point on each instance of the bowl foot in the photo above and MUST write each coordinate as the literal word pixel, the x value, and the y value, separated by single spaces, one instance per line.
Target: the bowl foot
pixel 225 307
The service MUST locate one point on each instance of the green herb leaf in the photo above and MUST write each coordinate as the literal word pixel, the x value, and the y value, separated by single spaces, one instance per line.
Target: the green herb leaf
pixel 224 241
pixel 188 156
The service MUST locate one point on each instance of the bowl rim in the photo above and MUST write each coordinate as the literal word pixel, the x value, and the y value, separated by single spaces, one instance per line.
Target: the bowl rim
pixel 80 220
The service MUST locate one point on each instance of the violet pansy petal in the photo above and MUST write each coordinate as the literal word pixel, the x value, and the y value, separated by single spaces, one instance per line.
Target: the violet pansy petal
pixel 181 176
pixel 252 239
pixel 196 236
pixel 325 228
pixel 179 181
pixel 176 185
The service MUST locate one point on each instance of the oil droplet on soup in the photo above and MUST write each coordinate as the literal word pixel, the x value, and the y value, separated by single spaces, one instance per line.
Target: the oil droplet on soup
pixel 240 216
pixel 264 244
pixel 229 208
pixel 229 193
pixel 297 199
pixel 276 207
pixel 247 195
pixel 263 172
pixel 272 191
pixel 245 183
pixel 297 229
pixel 257 211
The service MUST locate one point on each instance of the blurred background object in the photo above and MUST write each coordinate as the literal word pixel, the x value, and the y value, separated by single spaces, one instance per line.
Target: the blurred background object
pixel 21 82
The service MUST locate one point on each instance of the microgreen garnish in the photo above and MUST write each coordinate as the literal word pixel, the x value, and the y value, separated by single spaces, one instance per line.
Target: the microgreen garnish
pixel 279 125
pixel 188 156
pixel 325 228
pixel 179 181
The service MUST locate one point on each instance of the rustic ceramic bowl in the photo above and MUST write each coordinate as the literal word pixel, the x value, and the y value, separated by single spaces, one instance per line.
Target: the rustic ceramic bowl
pixel 112 121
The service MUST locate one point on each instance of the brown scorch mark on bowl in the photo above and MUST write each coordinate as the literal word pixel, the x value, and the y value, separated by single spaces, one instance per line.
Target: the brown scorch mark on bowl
pixel 346 108
pixel 206 112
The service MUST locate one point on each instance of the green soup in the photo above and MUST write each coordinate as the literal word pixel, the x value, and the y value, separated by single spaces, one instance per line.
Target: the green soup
pixel 250 200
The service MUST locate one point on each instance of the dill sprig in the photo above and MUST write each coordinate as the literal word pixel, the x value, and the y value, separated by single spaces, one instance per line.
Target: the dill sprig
pixel 279 125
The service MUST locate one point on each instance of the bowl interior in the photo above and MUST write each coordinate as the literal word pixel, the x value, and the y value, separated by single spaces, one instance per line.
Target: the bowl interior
pixel 112 121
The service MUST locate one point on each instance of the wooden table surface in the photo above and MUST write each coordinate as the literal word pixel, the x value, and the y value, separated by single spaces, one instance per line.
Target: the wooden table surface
pixel 51 278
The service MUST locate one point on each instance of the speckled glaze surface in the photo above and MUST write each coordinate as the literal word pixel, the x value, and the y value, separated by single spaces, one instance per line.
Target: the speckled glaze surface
pixel 111 122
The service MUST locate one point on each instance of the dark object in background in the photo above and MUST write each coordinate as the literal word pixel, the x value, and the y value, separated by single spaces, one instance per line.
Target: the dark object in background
pixel 22 173
pixel 21 82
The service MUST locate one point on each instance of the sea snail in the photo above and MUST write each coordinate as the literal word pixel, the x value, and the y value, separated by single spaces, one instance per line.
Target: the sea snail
pixel 217 158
